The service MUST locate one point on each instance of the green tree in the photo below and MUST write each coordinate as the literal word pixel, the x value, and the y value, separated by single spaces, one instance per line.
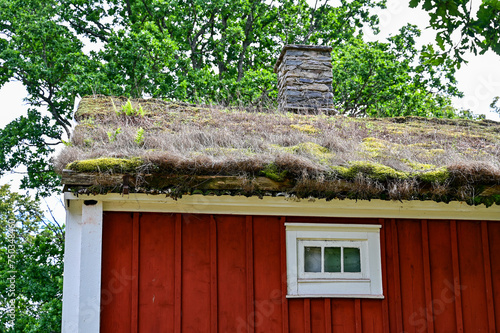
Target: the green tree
pixel 495 105
pixel 45 56
pixel 31 251
pixel 477 33
pixel 390 79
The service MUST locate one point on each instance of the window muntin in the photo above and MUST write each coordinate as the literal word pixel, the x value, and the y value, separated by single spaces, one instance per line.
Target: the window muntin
pixel 333 260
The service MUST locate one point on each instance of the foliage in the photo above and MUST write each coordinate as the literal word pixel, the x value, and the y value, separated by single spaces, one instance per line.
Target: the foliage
pixel 478 33
pixel 139 137
pixel 389 79
pixel 37 265
pixel 112 135
pixel 495 107
pixel 128 110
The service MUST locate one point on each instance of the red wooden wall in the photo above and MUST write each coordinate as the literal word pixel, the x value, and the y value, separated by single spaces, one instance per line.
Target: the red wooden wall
pixel 214 273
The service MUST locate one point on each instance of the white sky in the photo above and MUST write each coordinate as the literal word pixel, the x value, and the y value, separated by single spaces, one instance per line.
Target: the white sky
pixel 479 79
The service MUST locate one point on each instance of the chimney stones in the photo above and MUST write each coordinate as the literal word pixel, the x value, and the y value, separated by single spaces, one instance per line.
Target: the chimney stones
pixel 305 79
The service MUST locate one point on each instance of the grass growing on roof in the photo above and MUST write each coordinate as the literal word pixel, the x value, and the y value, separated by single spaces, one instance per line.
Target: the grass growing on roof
pixel 215 140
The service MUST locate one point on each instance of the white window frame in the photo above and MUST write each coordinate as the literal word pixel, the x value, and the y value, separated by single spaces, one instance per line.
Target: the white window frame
pixel 366 237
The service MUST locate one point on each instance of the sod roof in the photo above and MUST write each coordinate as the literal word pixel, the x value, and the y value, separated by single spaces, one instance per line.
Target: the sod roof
pixel 154 146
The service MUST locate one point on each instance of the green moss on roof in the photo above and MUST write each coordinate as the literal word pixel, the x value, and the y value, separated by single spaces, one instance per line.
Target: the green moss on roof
pixel 371 170
pixel 440 175
pixel 273 172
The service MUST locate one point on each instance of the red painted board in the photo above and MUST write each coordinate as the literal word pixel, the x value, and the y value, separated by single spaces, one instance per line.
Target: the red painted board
pixel 231 262
pixel 196 273
pixel 412 278
pixel 494 244
pixel 343 315
pixel 116 278
pixel 372 316
pixel 267 282
pixel 442 305
pixel 156 276
pixel 472 281
pixel 296 315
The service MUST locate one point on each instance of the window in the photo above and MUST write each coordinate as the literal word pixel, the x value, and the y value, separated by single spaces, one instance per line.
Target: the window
pixel 333 260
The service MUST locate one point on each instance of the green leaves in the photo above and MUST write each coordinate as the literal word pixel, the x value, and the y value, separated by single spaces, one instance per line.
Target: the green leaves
pixel 35 267
pixel 448 18
pixel 30 138
pixel 388 80
pixel 495 105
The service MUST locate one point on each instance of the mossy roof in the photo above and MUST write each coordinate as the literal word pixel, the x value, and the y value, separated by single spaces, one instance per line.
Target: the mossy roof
pixel 179 148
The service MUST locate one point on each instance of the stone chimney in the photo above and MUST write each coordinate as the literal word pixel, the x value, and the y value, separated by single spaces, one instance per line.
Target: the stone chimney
pixel 305 79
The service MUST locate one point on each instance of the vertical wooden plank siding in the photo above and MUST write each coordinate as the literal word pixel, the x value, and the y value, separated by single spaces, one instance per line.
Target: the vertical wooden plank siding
pixel 156 276
pixel 317 315
pixel 427 277
pixel 178 273
pixel 383 252
pixel 357 315
pixel 441 277
pixel 284 300
pixel 116 277
pixel 412 277
pixel 494 244
pixel 343 315
pixel 456 276
pixel 195 273
pixel 231 262
pixel 307 315
pixel 220 273
pixel 372 317
pixel 134 318
pixel 396 302
pixel 267 282
pixel 328 315
pixel 487 276
pixel 472 289
pixel 390 272
pixel 249 269
pixel 214 317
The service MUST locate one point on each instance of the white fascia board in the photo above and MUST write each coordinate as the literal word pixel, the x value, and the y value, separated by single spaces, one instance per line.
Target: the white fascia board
pixel 281 206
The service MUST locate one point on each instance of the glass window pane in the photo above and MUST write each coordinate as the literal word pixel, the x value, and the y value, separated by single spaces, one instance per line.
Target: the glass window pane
pixel 332 259
pixel 352 260
pixel 312 259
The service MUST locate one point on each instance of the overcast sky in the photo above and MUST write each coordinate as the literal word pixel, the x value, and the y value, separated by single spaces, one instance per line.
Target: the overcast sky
pixel 479 79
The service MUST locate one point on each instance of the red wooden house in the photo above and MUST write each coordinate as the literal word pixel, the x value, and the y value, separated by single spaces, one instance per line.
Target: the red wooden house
pixel 185 218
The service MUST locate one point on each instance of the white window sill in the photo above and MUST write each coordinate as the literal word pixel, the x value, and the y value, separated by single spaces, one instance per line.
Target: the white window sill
pixel 337 296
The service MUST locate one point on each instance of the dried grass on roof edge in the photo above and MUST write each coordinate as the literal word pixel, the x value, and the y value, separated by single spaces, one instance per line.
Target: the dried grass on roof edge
pixel 395 155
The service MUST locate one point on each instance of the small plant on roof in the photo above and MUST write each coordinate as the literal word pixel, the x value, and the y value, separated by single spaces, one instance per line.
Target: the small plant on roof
pixel 113 134
pixel 129 110
pixel 139 137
